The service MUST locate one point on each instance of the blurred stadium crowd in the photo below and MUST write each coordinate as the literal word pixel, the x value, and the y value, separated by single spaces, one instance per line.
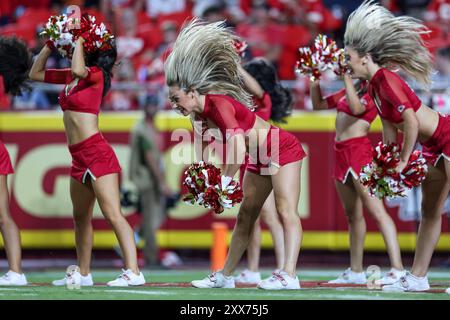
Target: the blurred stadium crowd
pixel 274 29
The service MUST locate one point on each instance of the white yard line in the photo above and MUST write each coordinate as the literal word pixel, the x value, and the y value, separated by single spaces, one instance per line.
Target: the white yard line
pixel 146 292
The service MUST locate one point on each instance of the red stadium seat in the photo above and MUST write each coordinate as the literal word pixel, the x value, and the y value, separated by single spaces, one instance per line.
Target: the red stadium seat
pixel 436 39
pixel 294 36
pixel 32 18
pixel 178 18
pixel 97 14
pixel 21 32
pixel 143 18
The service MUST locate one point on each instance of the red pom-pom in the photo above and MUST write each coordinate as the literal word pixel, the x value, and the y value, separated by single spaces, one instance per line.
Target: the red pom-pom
pixel 314 60
pixel 64 32
pixel 381 178
pixel 240 47
pixel 203 181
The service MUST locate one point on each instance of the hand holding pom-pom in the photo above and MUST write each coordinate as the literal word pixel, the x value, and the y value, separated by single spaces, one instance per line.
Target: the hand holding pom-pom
pixel 50 45
pixel 323 55
pixel 207 187
pixel 381 176
pixel 62 34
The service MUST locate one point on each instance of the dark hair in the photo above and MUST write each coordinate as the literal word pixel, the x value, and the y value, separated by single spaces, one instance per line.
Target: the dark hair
pixel 105 60
pixel 266 75
pixel 15 63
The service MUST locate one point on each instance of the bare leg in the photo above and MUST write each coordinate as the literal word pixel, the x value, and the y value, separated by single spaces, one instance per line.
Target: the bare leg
pixel 356 223
pixel 9 230
pixel 286 188
pixel 385 223
pixel 254 247
pixel 83 200
pixel 270 217
pixel 435 190
pixel 106 190
pixel 256 190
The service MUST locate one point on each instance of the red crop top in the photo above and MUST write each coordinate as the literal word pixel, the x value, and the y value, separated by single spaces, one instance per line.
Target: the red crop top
pixel 229 115
pixel 85 96
pixel 392 95
pixel 338 100
pixel 263 106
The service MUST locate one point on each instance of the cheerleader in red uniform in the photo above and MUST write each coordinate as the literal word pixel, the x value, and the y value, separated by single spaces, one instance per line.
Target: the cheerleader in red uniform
pixel 203 78
pixel 377 41
pixel 260 80
pixel 355 112
pixel 95 168
pixel 15 61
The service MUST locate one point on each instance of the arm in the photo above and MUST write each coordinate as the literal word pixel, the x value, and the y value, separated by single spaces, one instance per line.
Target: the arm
pixel 410 133
pixel 318 102
pixel 200 145
pixel 251 84
pixel 235 150
pixel 354 103
pixel 78 64
pixel 223 114
pixel 393 90
pixel 37 72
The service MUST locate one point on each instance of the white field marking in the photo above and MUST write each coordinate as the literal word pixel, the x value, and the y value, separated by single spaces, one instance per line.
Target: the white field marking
pixel 21 290
pixel 146 292
pixel 24 288
pixel 297 295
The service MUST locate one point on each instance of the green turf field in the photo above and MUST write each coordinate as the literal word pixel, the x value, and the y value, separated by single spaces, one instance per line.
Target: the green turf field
pixel 161 286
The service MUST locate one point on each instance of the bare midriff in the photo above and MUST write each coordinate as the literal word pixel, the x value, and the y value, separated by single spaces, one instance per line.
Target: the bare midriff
pixel 258 132
pixel 349 127
pixel 428 122
pixel 79 126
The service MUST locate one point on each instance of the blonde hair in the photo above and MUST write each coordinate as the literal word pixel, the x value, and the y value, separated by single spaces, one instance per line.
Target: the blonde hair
pixel 390 41
pixel 204 58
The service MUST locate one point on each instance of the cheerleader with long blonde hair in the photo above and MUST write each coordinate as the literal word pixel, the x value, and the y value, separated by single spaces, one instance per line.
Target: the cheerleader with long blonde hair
pixel 204 83
pixel 377 42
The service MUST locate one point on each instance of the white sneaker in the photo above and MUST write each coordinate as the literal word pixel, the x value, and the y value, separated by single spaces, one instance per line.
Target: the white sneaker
pixel 85 281
pixel 350 277
pixel 280 281
pixel 214 280
pixel 12 278
pixel 447 291
pixel 127 278
pixel 391 277
pixel 409 282
pixel 248 276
